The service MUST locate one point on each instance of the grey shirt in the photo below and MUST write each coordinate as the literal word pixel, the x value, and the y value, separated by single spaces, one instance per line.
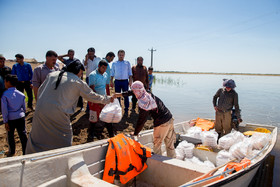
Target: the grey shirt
pixel 51 125
pixel 226 101
pixel 40 73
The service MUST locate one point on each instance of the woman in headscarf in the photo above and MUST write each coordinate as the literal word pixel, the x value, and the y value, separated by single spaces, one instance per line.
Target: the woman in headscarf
pixel 150 104
pixel 57 100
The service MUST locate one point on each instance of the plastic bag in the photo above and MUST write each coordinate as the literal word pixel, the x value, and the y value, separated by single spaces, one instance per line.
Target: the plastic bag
pixel 241 149
pixel 111 113
pixel 194 132
pixel 209 138
pixel 184 150
pixel 223 157
pixel 259 140
pixel 228 140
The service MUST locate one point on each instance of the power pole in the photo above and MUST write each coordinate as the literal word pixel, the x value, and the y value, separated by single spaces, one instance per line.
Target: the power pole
pixel 152 51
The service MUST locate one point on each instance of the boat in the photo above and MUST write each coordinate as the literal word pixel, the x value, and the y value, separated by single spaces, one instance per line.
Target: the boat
pixel 83 165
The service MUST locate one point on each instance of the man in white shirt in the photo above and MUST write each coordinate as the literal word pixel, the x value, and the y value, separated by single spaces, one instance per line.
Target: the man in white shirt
pixel 121 71
pixel 91 62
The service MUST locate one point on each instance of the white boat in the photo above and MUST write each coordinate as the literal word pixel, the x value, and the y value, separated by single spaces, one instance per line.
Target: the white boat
pixel 83 165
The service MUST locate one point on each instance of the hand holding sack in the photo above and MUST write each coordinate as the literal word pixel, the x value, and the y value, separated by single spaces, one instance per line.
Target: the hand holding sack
pixel 111 113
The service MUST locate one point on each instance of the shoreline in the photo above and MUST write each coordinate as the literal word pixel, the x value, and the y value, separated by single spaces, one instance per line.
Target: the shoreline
pixel 215 73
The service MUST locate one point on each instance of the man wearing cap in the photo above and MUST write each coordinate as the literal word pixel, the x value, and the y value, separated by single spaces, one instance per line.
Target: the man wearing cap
pixel 24 73
pixel 227 98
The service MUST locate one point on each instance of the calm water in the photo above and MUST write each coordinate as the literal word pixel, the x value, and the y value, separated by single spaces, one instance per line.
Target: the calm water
pixel 190 96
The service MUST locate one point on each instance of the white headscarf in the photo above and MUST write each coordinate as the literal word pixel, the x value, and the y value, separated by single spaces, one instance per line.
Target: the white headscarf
pixel 145 100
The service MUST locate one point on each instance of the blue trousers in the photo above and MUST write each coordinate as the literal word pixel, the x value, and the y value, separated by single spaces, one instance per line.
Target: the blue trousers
pixel 122 86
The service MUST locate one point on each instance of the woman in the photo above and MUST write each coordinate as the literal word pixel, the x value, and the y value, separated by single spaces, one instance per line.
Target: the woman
pixel 163 121
pixel 57 100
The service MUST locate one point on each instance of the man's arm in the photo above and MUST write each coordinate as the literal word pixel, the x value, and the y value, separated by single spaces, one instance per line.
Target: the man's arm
pixel 107 89
pixel 236 106
pixel 111 82
pixel 130 81
pixel 215 99
pixel 61 57
pixel 86 61
pixel 143 115
pixel 35 89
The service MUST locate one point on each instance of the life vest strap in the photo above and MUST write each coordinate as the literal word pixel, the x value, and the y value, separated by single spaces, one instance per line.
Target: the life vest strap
pixel 118 172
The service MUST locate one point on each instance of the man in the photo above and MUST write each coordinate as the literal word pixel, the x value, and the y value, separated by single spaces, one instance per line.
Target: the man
pixel 97 82
pixel 150 104
pixel 65 61
pixel 90 62
pixel 109 58
pixel 41 71
pixel 57 100
pixel 139 73
pixel 24 73
pixel 121 71
pixel 4 70
pixel 71 58
pixel 227 99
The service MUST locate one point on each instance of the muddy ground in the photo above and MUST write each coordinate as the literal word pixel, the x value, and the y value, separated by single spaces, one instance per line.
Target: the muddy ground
pixel 80 124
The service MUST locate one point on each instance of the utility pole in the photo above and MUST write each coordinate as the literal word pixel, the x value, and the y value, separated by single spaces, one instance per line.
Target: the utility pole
pixel 152 51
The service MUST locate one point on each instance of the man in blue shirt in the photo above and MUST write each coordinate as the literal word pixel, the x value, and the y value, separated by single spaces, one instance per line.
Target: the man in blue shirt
pixel 13 111
pixel 121 71
pixel 109 58
pixel 97 82
pixel 24 73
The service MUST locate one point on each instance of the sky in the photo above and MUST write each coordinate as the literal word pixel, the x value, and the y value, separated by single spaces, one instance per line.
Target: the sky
pixel 233 36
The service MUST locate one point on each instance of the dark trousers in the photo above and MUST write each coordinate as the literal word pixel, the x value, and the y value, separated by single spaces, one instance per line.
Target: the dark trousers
pixel 122 86
pixel 96 129
pixel 21 86
pixel 80 102
pixel 18 124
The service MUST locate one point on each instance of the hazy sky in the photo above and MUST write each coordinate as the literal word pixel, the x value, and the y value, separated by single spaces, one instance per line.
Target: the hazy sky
pixel 188 35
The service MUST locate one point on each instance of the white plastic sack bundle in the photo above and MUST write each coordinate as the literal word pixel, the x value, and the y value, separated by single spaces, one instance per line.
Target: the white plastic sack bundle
pixel 223 157
pixel 194 132
pixel 228 140
pixel 184 150
pixel 111 113
pixel 209 164
pixel 197 161
pixel 241 149
pixel 259 140
pixel 209 138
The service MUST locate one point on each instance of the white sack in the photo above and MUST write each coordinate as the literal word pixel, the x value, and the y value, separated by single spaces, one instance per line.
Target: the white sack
pixel 111 113
pixel 223 157
pixel 194 132
pixel 259 140
pixel 209 138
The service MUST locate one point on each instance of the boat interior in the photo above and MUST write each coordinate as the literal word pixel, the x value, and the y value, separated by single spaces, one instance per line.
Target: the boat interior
pixel 83 165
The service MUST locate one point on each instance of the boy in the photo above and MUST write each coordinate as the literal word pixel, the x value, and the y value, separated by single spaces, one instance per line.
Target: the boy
pixel 227 98
pixel 13 111
pixel 151 77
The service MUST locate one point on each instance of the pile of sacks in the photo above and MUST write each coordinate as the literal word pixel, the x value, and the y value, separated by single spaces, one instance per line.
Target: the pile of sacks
pixel 238 146
pixel 184 151
pixel 209 138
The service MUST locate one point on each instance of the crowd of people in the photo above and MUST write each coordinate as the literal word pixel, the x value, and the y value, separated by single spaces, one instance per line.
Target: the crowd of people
pixel 59 90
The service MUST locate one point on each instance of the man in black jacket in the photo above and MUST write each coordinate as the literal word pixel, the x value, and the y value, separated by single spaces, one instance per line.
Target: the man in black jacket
pixel 163 121
pixel 227 99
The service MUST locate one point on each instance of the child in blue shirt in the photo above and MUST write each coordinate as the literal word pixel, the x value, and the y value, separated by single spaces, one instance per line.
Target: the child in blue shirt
pixel 151 77
pixel 13 112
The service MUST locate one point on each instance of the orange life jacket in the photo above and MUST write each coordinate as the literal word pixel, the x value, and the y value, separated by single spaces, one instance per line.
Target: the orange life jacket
pixel 238 166
pixel 204 124
pixel 125 159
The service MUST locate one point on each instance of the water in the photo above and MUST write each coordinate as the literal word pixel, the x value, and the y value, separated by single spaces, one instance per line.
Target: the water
pixel 189 96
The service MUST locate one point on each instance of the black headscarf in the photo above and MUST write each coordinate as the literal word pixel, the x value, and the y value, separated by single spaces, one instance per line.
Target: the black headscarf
pixel 73 67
